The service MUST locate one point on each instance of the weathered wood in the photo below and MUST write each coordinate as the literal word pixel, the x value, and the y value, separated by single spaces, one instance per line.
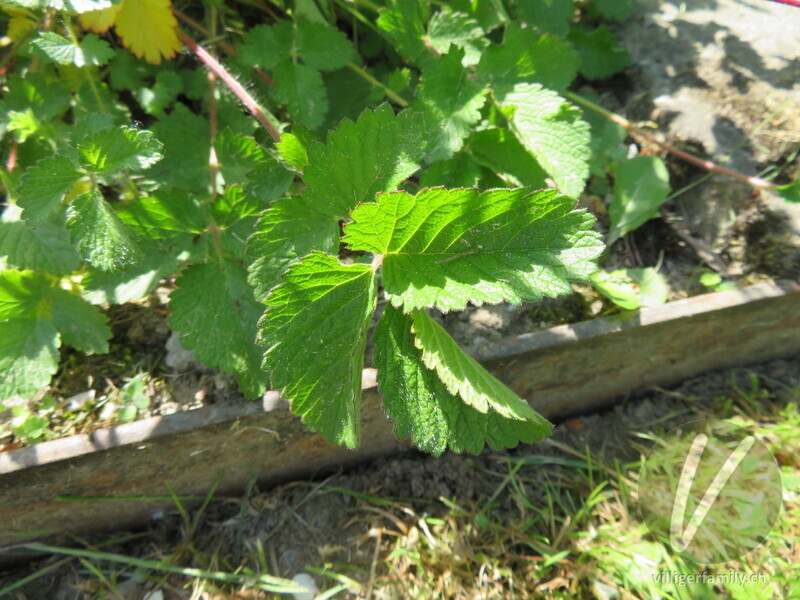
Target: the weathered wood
pixel 562 371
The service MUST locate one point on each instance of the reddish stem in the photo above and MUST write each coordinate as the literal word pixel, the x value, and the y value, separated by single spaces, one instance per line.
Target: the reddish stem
pixel 795 3
pixel 234 85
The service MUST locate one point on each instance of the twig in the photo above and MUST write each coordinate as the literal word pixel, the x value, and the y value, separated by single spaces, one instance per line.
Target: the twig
pixel 235 86
pixel 756 182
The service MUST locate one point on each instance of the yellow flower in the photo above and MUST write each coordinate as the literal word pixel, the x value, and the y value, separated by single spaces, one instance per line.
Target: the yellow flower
pixel 146 27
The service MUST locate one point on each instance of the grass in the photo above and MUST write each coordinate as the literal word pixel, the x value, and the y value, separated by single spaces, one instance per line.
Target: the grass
pixel 562 522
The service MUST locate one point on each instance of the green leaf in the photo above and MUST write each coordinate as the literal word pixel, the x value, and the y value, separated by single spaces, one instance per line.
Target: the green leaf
pixel 315 331
pixel 600 55
pixel 451 102
pixel 488 13
pixel 422 406
pixel 135 283
pixel 641 186
pixel 216 315
pixel 300 87
pixel 322 47
pixel 80 324
pixel 235 215
pixel 403 21
pixel 447 248
pixel 167 214
pixel 45 98
pixel 459 171
pixel 548 15
pixel 463 376
pixel 288 231
pixel 293 151
pixel 91 52
pixel 529 57
pixel 616 10
pixel 237 156
pixel 99 235
pixel 552 130
pixel 361 158
pixel 118 148
pixel 187 146
pixel 45 247
pixel 44 187
pixel 28 356
pixel 790 192
pixel 268 181
pixel 267 46
pixel 447 28
pixel 632 288
pixel 503 153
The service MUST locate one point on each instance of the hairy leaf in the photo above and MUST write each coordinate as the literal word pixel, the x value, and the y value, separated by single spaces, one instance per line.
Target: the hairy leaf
pixel 424 409
pixel 187 145
pixel 92 51
pixel 119 148
pixel 300 87
pixel 403 21
pixel 641 186
pixel 315 330
pixel 44 187
pixel 448 248
pixel 451 102
pixel 552 130
pixel 215 313
pixel 45 247
pixel 503 153
pixel 600 55
pixel 447 28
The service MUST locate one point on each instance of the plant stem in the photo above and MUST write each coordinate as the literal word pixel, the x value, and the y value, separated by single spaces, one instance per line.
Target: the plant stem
pixel 236 87
pixel 397 99
pixel 756 182
pixel 795 3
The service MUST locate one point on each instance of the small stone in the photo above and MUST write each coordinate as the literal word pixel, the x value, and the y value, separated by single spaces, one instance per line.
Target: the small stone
pixel 178 357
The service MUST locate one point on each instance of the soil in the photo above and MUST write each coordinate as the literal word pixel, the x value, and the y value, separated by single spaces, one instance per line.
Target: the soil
pixel 323 521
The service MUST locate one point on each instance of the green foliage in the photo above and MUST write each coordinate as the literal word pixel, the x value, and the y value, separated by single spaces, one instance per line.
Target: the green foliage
pixel 281 252
pixel 632 288
pixel 641 186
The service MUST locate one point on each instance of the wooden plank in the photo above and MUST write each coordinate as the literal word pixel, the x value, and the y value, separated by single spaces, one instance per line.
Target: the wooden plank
pixel 562 371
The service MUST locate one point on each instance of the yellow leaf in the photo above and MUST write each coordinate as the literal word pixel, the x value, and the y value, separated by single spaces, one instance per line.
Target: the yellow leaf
pixel 100 20
pixel 147 27
pixel 19 26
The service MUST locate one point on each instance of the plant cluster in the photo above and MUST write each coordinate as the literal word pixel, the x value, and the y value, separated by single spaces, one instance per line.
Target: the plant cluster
pixel 123 168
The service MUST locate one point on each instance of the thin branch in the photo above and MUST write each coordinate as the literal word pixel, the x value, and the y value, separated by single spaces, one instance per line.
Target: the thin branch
pixel 397 99
pixel 236 87
pixel 756 182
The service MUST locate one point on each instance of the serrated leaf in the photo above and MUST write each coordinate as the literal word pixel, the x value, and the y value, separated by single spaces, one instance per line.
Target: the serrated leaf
pixel 267 46
pixel 44 187
pixel 459 171
pixel 552 130
pixel 448 28
pixel 322 47
pixel 422 406
pixel 235 216
pixel 300 87
pixel 167 214
pixel 268 181
pixel 45 247
pixel 600 55
pixel 790 192
pixel 288 231
pixel 463 376
pixel 315 332
pixel 529 57
pixel 215 313
pixel 149 29
pixel 451 102
pixel 90 52
pixel 237 156
pixel 361 158
pixel 448 248
pixel 403 21
pixel 118 148
pixel 187 144
pixel 293 151
pixel 488 13
pixel 99 235
pixel 616 10
pixel 641 186
pixel 548 15
pixel 503 153
pixel 28 356
pixel 80 324
pixel 46 99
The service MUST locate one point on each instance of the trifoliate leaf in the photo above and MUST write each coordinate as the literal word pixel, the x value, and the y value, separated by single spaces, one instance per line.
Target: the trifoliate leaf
pixel 616 10
pixel 149 29
pixel 503 153
pixel 300 87
pixel 641 186
pixel 463 376
pixel 99 235
pixel 448 248
pixel 92 51
pixel 790 192
pixel 288 231
pixel 600 55
pixel 403 21
pixel 552 130
pixel 187 146
pixel 315 331
pixel 422 406
pixel 45 247
pixel 459 171
pixel 35 316
pixel 451 103
pixel 119 148
pixel 548 15
pixel 361 158
pixel 44 187
pixel 215 313
pixel 448 28
pixel 529 57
